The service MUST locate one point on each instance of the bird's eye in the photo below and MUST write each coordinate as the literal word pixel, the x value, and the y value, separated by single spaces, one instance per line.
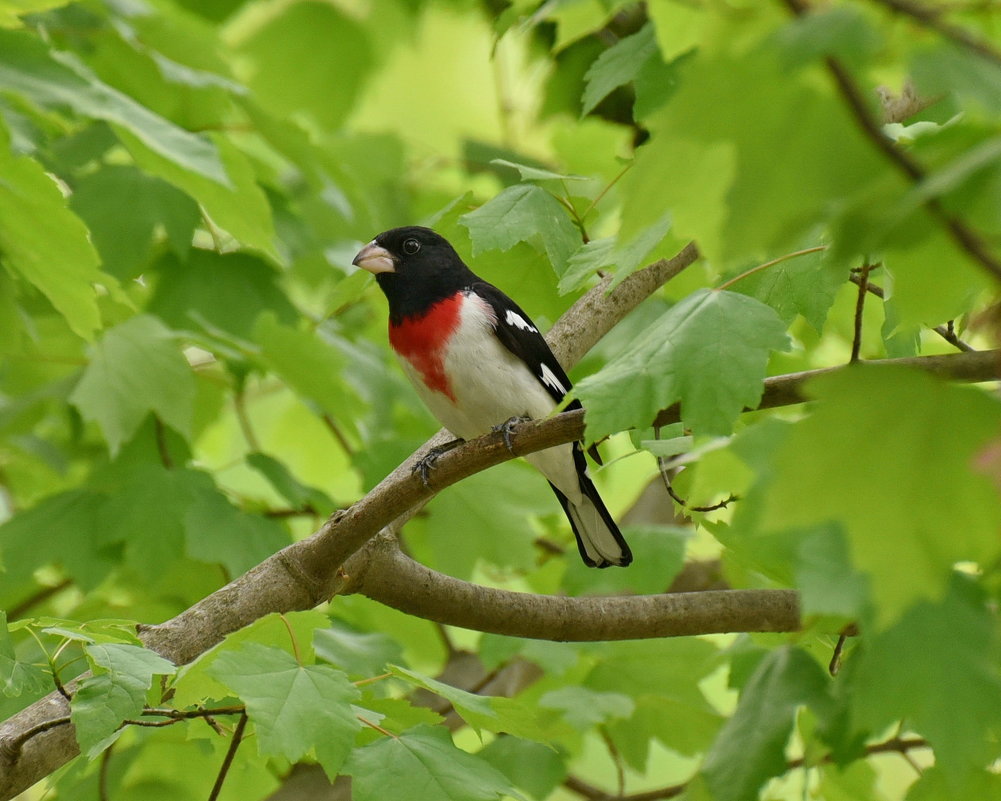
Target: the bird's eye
pixel 411 246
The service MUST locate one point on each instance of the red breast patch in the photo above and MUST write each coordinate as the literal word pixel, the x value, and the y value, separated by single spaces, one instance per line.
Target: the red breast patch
pixel 422 342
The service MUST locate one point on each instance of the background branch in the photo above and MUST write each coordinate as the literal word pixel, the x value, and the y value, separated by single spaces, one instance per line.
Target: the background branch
pixel 966 238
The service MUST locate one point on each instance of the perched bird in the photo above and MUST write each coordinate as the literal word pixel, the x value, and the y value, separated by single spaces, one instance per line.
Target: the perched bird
pixel 478 361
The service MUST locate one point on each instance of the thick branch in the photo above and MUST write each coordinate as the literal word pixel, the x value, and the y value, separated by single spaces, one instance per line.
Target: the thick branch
pixel 396 580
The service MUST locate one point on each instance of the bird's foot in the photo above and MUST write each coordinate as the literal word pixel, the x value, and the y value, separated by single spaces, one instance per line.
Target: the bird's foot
pixel 507 429
pixel 426 463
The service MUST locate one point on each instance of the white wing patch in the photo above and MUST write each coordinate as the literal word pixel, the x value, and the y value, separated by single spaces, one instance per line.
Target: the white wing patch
pixel 513 318
pixel 550 380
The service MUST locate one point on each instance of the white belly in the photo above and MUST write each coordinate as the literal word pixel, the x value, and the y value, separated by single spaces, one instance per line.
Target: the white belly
pixel 491 385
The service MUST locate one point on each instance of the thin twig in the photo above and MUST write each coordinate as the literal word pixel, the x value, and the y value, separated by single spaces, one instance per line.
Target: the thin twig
pixel 663 465
pixel 240 406
pixel 895 744
pixel 13 748
pixel 863 285
pixel 161 443
pixel 834 666
pixel 613 752
pixel 227 761
pixel 446 639
pixel 190 714
pixel 21 609
pixel 931 17
pixel 335 429
pixel 306 510
pixel 948 333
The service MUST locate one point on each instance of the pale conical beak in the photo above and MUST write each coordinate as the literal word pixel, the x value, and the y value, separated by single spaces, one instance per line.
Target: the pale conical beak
pixel 375 258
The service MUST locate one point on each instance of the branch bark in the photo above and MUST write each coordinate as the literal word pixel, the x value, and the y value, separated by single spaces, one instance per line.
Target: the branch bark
pixel 392 578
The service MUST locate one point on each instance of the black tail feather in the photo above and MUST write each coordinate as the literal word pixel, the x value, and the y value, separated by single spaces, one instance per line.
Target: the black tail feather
pixel 590 492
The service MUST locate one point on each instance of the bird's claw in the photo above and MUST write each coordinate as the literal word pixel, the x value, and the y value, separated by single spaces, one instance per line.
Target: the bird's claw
pixel 507 429
pixel 426 463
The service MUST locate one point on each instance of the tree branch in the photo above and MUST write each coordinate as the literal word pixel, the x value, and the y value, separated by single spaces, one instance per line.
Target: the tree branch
pixel 392 578
pixel 304 574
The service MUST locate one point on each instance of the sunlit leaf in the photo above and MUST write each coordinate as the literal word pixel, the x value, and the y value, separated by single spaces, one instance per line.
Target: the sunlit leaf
pixel 709 352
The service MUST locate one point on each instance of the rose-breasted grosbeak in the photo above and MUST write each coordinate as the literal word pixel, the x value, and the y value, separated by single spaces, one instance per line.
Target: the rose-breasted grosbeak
pixel 477 360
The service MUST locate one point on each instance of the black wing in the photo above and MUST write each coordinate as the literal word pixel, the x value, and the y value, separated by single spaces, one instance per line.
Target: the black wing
pixel 518 334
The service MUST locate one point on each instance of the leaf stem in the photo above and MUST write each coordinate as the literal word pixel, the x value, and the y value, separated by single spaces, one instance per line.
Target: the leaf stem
pixel 295 641
pixel 767 264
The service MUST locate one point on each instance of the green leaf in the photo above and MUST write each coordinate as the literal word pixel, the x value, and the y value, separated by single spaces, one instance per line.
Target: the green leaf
pixel 710 169
pixel 935 784
pixel 217 532
pixel 955 69
pixel 195 683
pixel 295 708
pixel 132 661
pixel 11 11
pixel 583 708
pixel 123 207
pixel 341 55
pixel 16 677
pixel 308 365
pixel 357 653
pixel 99 706
pixel 618 65
pixel 152 543
pixel 494 714
pixel 530 766
pixel 45 244
pixel 679 26
pixel 583 264
pixel 239 205
pixel 423 765
pixel 218 292
pixel 828 583
pixel 803 285
pixel 70 521
pixel 952 689
pixel 500 532
pixel 662 677
pixel 116 692
pixel 709 352
pixel 530 173
pixel 750 748
pixel 519 214
pixel 659 555
pixel 135 368
pixel 867 418
pixel 280 477
pixel 55 79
